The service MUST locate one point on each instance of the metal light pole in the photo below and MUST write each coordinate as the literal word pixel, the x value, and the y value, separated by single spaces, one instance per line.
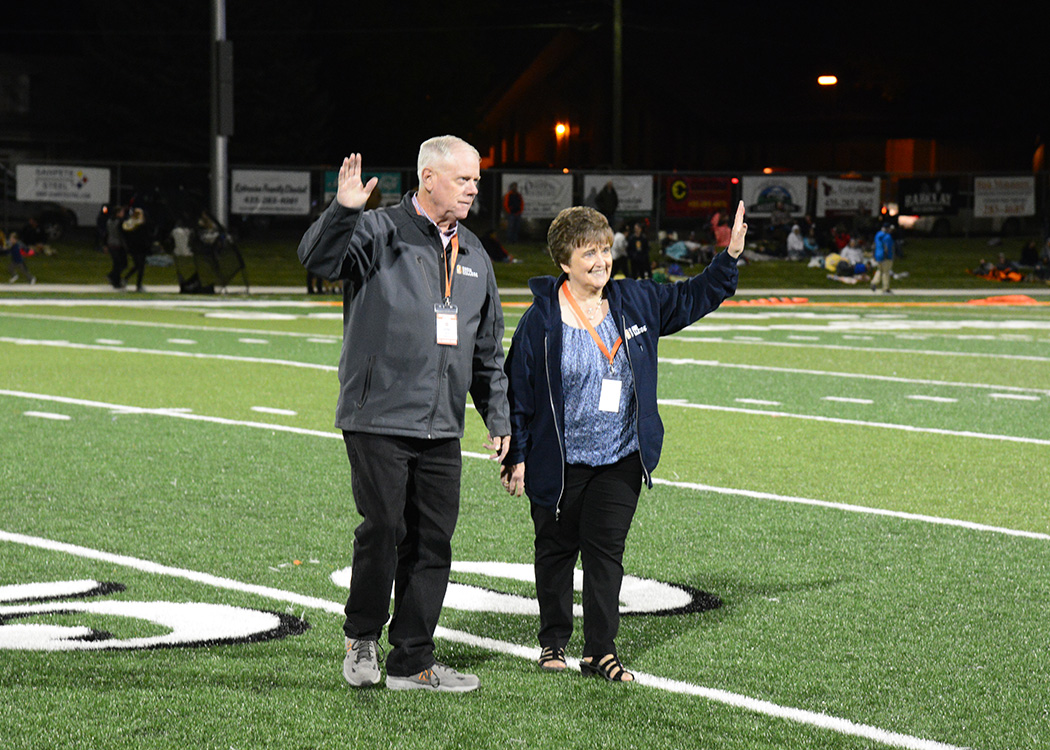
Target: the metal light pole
pixel 221 111
pixel 617 92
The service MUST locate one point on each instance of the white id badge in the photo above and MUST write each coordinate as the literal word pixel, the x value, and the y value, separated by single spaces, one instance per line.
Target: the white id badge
pixel 609 400
pixel 447 328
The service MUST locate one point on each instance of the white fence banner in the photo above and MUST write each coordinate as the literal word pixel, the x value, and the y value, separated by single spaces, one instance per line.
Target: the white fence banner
pixel 837 197
pixel 265 192
pixel 634 192
pixel 38 182
pixel 762 194
pixel 544 195
pixel 1002 197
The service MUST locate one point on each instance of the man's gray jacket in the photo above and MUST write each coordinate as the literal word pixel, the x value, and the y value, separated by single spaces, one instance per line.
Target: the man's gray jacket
pixel 394 378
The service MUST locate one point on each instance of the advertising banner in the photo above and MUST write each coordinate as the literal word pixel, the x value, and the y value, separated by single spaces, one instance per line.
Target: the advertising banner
pixel 269 192
pixel 389 186
pixel 938 196
pixel 544 195
pixel 696 196
pixel 1001 197
pixel 762 193
pixel 836 197
pixel 37 182
pixel 633 191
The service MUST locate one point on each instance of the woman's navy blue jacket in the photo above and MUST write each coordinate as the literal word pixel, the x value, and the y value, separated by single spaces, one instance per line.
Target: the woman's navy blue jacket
pixel 643 311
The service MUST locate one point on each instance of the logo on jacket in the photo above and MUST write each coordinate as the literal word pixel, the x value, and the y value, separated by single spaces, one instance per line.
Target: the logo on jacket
pixel 633 331
pixel 466 271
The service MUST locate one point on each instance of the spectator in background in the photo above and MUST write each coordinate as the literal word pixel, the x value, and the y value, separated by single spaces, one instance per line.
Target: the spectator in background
pixel 137 241
pixel 638 253
pixel 884 258
pixel 720 229
pixel 116 247
pixel 16 250
pixel 1030 254
pixel 497 253
pixel 607 202
pixel 513 205
pixel 810 242
pixel 796 245
pixel 853 252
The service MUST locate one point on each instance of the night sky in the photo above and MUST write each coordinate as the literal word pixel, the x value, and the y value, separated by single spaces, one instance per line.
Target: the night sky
pixel 315 79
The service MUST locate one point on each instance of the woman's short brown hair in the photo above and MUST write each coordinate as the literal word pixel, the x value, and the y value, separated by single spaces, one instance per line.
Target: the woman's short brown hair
pixel 578 226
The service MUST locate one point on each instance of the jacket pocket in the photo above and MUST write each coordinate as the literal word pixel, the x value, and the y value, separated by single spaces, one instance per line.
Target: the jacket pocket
pixel 368 382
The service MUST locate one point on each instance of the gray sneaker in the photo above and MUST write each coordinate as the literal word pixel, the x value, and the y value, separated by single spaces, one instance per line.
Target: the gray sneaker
pixel 438 677
pixel 361 665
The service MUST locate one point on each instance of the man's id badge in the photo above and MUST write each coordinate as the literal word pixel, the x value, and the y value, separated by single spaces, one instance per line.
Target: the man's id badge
pixel 447 328
pixel 609 400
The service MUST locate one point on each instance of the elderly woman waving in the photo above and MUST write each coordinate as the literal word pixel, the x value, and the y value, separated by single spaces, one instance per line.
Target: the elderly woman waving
pixel 585 428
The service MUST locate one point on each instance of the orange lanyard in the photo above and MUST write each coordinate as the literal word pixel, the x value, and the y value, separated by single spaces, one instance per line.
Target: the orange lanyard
pixel 455 253
pixel 590 329
pixel 448 274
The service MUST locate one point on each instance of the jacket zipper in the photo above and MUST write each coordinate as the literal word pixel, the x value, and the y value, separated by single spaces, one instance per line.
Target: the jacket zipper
pixel 554 413
pixel 637 407
pixel 423 270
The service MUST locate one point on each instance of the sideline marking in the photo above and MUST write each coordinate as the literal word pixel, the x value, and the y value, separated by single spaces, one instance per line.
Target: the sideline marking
pixel 755 705
pixel 332 435
pixel 48 415
pixel 275 410
pixel 846 400
pixel 934 399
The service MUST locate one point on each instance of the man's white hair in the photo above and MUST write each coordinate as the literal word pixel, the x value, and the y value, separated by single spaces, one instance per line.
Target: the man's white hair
pixel 438 150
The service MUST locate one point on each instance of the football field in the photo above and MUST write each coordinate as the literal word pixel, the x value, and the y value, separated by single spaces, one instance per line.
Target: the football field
pixel 847 545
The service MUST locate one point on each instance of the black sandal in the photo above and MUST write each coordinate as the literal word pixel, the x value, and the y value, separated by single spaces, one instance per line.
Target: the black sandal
pixel 609 667
pixel 550 654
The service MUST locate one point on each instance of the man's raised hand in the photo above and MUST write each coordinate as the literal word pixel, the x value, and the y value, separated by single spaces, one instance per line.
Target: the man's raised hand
pixel 351 192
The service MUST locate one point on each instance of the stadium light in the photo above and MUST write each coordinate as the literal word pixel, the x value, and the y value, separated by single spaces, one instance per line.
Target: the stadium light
pixel 827 80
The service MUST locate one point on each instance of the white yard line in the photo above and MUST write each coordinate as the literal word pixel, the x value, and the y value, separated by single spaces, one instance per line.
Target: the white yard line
pixel 333 435
pixel 167 353
pixel 866 349
pixel 851 375
pixel 755 705
pixel 172 326
pixel 857 422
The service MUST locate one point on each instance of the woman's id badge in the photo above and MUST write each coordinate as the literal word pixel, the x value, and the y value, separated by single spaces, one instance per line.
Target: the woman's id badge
pixel 609 399
pixel 447 328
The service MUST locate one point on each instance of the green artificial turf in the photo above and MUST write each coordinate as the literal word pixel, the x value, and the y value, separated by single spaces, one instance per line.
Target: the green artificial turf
pixel 935 632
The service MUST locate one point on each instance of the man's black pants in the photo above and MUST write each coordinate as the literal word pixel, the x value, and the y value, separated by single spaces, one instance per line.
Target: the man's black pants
pixel 597 508
pixel 407 490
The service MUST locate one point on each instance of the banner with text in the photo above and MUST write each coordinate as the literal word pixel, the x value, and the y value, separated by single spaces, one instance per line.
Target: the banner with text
pixel 1002 197
pixel 762 194
pixel 269 192
pixel 696 196
pixel 929 197
pixel 544 195
pixel 633 191
pixel 837 197
pixel 37 182
pixel 389 186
